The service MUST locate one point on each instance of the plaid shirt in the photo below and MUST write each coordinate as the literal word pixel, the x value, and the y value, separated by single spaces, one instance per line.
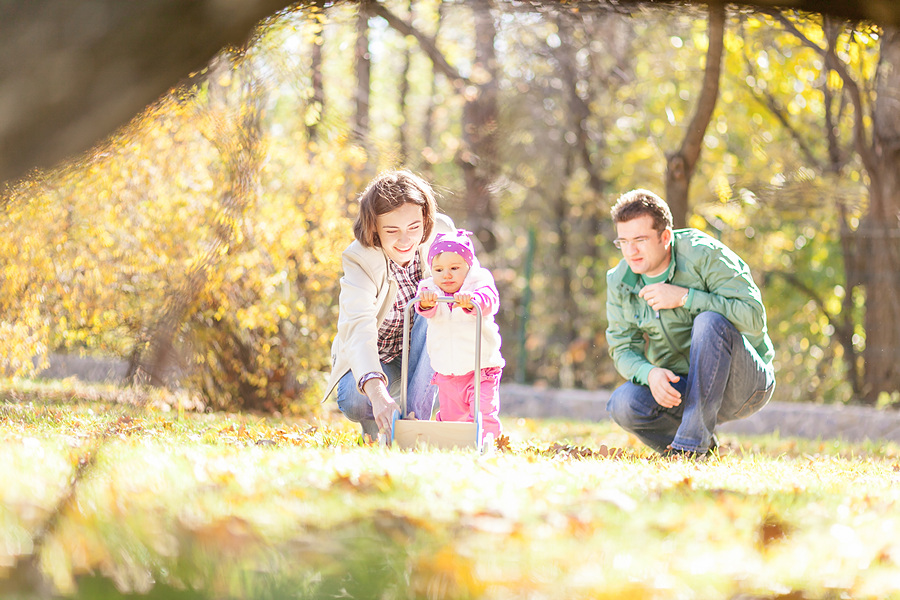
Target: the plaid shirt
pixel 390 334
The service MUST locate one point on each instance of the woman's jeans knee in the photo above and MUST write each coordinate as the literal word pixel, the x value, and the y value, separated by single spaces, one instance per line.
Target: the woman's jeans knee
pixel 419 392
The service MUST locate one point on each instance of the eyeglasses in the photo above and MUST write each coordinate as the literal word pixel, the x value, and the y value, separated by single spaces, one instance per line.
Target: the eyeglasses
pixel 638 243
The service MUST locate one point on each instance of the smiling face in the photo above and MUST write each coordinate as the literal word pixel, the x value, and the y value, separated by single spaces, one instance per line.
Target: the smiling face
pixel 449 270
pixel 400 232
pixel 645 249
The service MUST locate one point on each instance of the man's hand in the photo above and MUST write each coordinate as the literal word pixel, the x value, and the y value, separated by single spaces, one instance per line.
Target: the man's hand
pixel 464 301
pixel 383 406
pixel 427 299
pixel 663 295
pixel 660 381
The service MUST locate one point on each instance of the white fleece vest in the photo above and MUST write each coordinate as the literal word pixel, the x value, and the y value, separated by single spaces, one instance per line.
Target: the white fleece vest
pixel 451 333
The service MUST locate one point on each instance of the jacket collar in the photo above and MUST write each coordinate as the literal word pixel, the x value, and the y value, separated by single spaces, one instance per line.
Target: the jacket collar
pixel 633 281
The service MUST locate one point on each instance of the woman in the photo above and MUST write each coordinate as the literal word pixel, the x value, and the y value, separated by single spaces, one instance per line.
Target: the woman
pixel 396 223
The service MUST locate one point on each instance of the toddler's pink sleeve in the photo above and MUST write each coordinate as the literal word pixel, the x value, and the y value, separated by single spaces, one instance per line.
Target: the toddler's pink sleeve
pixel 427 313
pixel 488 298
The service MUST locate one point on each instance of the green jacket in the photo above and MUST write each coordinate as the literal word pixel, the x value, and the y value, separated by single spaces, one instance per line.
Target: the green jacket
pixel 717 280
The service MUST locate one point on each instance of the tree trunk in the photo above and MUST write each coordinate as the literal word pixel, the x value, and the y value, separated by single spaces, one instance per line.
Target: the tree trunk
pixel 680 165
pixel 478 157
pixel 429 156
pixel 844 324
pixel 363 74
pixel 403 130
pixel 567 308
pixel 880 230
pixel 318 86
pixel 580 112
pixel 875 260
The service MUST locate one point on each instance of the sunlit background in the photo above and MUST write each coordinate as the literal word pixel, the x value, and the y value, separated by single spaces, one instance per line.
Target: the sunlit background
pixel 199 246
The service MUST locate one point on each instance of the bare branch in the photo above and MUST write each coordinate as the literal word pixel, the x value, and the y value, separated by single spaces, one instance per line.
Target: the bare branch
pixel 800 285
pixel 426 43
pixel 834 63
pixel 693 139
pixel 841 321
pixel 768 100
pixel 835 160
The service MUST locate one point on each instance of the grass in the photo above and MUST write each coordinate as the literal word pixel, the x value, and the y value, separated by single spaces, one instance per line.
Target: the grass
pixel 181 504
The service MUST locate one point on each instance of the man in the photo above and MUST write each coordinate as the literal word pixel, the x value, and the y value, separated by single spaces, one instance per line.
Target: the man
pixel 687 330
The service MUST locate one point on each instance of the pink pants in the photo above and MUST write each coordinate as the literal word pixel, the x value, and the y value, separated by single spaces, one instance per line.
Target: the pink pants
pixel 456 394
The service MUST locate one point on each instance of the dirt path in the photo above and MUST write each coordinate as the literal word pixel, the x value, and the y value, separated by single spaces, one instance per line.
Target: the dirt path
pixel 813 421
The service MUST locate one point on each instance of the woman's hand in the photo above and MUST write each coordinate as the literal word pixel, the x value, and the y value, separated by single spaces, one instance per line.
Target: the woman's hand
pixel 383 406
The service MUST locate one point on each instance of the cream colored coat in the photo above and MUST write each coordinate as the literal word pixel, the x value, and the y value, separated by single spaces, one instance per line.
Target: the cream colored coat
pixel 367 293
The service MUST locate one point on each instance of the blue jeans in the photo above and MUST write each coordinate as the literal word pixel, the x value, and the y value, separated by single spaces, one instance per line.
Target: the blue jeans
pixel 726 380
pixel 419 392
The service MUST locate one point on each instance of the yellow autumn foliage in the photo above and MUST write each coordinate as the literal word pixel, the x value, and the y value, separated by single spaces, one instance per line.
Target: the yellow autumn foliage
pixel 197 213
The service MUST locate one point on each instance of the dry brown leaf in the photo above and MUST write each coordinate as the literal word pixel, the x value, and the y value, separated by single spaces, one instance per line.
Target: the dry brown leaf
pixel 230 535
pixel 569 451
pixel 772 530
pixel 445 574
pixel 364 482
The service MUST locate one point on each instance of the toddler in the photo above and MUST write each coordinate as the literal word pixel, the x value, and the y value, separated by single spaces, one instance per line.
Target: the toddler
pixel 451 331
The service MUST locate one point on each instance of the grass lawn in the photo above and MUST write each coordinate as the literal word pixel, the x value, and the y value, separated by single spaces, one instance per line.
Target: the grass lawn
pixel 179 504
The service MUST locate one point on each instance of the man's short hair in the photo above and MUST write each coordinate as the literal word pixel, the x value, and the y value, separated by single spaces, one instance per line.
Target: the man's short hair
pixel 386 193
pixel 638 203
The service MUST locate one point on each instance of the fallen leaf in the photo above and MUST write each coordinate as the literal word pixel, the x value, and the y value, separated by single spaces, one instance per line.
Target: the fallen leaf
pixel 445 574
pixel 230 535
pixel 569 451
pixel 772 530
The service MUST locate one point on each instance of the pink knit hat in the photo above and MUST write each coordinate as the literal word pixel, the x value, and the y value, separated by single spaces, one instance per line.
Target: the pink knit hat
pixel 457 242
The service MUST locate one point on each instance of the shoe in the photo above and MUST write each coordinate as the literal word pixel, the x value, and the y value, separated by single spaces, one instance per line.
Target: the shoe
pixel 678 454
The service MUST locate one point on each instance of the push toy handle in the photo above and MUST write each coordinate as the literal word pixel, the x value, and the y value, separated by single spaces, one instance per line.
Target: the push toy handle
pixel 404 363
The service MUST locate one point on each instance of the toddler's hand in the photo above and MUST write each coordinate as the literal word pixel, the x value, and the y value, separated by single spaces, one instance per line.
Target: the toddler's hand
pixel 427 299
pixel 464 301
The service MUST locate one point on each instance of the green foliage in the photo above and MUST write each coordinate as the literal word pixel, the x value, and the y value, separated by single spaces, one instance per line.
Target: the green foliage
pixel 785 187
pixel 225 206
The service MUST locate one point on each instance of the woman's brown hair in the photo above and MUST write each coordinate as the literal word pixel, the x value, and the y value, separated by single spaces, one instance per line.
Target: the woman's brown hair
pixel 387 192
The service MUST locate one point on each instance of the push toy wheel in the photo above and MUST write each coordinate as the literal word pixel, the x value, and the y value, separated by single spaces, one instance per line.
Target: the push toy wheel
pixel 478 429
pixel 487 445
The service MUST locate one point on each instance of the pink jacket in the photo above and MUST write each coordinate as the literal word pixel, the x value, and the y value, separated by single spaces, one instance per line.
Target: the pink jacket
pixel 451 332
